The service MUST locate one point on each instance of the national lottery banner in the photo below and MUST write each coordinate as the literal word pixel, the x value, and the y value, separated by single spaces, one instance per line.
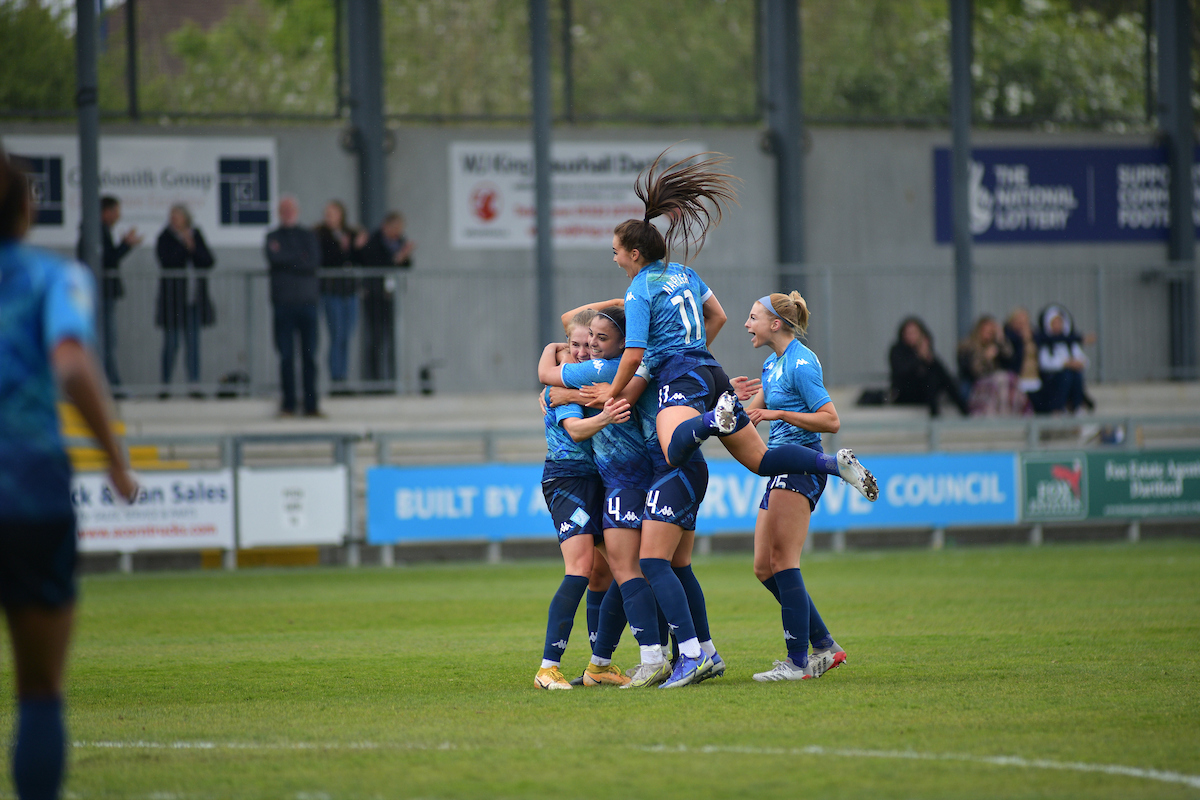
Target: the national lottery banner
pixel 497 502
pixel 492 190
pixel 1062 194
pixel 228 184
pixel 173 511
pixel 1066 486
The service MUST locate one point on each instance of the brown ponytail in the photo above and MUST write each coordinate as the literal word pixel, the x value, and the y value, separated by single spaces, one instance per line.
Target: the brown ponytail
pixel 679 192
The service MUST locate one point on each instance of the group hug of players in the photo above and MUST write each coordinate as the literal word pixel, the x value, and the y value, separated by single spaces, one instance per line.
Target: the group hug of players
pixel 632 394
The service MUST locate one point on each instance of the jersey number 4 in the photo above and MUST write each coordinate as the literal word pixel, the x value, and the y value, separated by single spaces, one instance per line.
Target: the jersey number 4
pixel 689 325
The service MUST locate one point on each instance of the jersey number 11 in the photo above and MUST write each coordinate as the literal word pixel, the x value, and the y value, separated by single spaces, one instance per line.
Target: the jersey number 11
pixel 683 315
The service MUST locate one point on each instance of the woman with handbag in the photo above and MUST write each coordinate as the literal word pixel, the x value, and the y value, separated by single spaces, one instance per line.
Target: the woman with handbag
pixel 183 304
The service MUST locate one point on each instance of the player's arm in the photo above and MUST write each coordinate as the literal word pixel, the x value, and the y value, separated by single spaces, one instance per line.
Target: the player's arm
pixel 81 383
pixel 560 396
pixel 714 318
pixel 823 420
pixel 570 315
pixel 586 427
pixel 549 371
pixel 631 359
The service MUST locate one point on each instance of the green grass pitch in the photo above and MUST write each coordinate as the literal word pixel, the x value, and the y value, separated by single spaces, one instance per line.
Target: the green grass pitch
pixel 1060 671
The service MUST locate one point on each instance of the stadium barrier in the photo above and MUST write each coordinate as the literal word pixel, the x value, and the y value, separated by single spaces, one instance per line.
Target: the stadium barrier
pixel 224 507
pixel 246 493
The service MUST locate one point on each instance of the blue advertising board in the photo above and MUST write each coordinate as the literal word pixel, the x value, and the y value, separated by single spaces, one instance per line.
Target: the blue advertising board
pixel 1061 195
pixel 502 501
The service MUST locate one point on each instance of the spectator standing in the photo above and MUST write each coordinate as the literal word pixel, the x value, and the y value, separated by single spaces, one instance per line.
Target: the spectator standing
pixel 340 246
pixel 294 255
pixel 387 247
pixel 1062 361
pixel 918 376
pixel 983 361
pixel 112 289
pixel 183 304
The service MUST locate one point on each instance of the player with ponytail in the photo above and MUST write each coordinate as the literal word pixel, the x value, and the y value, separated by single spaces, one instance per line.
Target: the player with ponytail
pixel 791 395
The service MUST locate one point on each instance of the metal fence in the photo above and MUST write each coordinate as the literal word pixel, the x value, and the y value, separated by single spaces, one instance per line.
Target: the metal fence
pixel 470 330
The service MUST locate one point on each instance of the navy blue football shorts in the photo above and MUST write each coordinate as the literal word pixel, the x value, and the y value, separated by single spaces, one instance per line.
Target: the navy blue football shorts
pixel 623 508
pixel 699 389
pixel 37 563
pixel 676 494
pixel 575 506
pixel 811 486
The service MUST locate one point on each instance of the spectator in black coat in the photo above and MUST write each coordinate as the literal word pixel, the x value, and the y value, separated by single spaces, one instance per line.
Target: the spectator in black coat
pixel 387 247
pixel 918 375
pixel 294 255
pixel 183 304
pixel 113 289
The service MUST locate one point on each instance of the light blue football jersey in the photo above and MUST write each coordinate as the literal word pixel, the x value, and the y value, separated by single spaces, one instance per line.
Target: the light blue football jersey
pixel 566 457
pixel 793 382
pixel 44 300
pixel 664 314
pixel 622 451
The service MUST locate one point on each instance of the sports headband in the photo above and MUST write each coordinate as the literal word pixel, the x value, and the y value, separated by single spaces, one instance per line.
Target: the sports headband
pixel 620 327
pixel 766 303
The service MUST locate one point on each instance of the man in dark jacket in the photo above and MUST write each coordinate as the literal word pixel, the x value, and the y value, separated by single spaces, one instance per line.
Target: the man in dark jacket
pixel 387 247
pixel 294 256
pixel 113 288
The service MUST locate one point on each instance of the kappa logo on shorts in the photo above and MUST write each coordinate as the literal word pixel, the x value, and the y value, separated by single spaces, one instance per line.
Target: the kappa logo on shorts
pixel 631 516
pixel 667 511
pixel 678 396
pixel 635 630
pixel 566 526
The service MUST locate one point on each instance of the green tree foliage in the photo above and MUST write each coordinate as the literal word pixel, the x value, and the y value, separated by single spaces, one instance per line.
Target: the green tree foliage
pixel 37 58
pixel 1053 62
pixel 265 56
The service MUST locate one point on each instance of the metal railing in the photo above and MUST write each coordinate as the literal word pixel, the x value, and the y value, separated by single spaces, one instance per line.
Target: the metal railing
pixel 459 330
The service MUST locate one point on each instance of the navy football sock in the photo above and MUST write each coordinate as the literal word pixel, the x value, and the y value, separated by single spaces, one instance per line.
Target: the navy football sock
pixel 641 611
pixel 695 598
pixel 688 437
pixel 789 459
pixel 40 750
pixel 817 632
pixel 794 600
pixel 671 597
pixel 772 587
pixel 664 630
pixel 562 615
pixel 594 599
pixel 612 622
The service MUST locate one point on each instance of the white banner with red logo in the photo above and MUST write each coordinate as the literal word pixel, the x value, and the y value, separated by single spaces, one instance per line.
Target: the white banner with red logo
pixel 492 190
pixel 173 511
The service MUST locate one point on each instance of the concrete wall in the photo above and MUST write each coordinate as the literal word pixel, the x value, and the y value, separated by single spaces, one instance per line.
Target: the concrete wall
pixel 870 239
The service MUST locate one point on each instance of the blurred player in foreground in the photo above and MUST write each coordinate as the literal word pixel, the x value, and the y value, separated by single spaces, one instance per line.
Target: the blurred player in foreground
pixel 46 322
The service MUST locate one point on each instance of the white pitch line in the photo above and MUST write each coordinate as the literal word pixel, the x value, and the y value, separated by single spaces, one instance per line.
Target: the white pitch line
pixel 1162 776
pixel 999 761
